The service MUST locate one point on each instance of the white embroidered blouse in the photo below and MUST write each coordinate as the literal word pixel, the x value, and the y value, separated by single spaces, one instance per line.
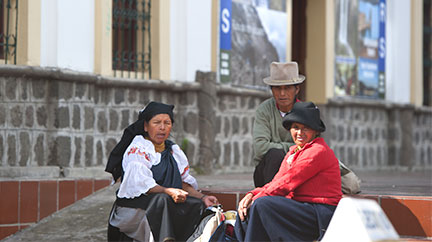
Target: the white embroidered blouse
pixel 138 159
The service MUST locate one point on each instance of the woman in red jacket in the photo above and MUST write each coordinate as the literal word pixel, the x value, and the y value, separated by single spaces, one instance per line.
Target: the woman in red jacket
pixel 298 203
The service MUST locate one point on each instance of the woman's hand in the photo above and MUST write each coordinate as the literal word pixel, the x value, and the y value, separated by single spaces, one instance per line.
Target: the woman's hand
pixel 244 205
pixel 178 195
pixel 209 200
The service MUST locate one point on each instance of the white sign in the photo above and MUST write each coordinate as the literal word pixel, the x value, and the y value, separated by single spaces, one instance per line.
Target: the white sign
pixel 359 220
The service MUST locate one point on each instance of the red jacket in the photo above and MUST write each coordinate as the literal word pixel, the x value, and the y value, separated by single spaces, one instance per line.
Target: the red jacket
pixel 313 176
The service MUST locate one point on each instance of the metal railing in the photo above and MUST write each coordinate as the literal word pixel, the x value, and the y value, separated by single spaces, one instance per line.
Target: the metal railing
pixel 131 38
pixel 8 30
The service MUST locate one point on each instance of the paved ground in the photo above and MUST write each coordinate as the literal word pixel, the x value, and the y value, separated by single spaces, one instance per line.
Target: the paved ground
pixel 86 220
pixel 397 183
pixel 373 182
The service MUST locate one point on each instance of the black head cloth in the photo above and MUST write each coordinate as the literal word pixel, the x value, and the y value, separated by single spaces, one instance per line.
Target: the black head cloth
pixel 114 164
pixel 155 108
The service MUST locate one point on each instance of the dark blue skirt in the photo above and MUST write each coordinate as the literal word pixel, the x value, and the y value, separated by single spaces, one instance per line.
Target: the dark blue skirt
pixel 275 218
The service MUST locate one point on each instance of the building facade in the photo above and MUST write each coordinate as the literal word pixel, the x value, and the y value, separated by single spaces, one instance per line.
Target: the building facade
pixel 76 73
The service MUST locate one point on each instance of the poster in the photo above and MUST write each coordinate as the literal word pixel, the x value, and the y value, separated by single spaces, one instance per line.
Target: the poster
pixel 360 48
pixel 258 36
pixel 225 41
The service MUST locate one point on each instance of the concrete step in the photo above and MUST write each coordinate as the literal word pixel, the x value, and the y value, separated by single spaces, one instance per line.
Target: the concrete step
pixel 405 197
pixel 85 220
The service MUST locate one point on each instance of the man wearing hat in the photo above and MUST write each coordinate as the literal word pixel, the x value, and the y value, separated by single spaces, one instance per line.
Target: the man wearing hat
pixel 270 139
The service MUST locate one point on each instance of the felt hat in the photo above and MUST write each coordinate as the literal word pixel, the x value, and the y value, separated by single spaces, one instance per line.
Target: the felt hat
pixel 305 113
pixel 282 74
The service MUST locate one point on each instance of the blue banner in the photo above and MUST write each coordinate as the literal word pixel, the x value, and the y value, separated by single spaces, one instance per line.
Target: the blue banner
pixel 382 37
pixel 225 24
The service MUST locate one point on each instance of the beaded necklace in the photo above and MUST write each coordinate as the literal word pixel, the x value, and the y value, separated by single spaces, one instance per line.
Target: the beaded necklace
pixel 158 147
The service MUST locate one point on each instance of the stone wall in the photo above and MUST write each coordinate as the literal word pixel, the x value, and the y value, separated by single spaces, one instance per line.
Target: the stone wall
pixel 235 116
pixel 69 122
pixel 371 134
pixel 63 123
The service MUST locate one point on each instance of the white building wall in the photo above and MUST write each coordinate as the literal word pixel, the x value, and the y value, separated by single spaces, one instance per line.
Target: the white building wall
pixel 398 51
pixel 67 34
pixel 178 40
pixel 48 33
pixel 190 38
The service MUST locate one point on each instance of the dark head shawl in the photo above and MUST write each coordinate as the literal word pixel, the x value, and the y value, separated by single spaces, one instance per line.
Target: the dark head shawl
pixel 114 164
pixel 155 108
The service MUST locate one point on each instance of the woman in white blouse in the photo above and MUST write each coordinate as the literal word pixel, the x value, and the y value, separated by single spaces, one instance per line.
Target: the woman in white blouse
pixel 156 188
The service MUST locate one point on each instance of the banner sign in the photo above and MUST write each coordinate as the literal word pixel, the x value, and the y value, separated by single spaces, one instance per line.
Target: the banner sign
pixel 225 41
pixel 253 34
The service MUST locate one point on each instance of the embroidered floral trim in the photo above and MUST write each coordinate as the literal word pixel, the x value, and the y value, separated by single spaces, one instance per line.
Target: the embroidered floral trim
pixel 185 170
pixel 136 150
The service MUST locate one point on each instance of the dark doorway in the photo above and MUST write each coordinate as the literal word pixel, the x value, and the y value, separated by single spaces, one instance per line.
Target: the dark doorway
pixel 299 40
pixel 427 53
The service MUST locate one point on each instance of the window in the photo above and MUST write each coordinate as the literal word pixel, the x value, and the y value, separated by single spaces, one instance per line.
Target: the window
pixel 131 38
pixel 8 30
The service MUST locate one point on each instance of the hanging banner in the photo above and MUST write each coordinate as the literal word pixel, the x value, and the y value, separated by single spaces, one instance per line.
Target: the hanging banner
pixel 225 41
pixel 382 48
pixel 257 35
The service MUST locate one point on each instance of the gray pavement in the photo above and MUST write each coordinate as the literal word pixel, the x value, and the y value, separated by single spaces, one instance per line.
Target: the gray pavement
pixel 86 220
pixel 417 183
pixel 408 183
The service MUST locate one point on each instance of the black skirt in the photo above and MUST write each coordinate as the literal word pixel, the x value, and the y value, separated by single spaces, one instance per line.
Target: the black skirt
pixel 275 218
pixel 168 220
